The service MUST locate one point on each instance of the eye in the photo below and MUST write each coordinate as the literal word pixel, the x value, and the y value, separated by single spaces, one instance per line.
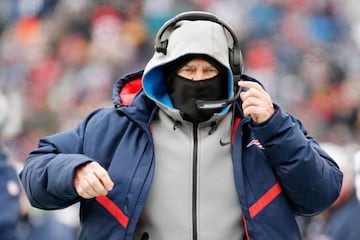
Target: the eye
pixel 212 70
pixel 187 70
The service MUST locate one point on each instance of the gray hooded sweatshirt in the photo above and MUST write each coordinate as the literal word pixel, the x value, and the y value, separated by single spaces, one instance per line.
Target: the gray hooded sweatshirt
pixel 193 193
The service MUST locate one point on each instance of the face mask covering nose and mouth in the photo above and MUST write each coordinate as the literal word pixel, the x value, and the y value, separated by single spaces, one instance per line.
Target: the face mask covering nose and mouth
pixel 186 92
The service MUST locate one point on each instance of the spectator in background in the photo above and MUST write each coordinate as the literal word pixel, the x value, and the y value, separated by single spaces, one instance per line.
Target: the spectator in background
pixel 18 220
pixel 37 224
pixel 9 185
pixel 357 173
pixel 340 221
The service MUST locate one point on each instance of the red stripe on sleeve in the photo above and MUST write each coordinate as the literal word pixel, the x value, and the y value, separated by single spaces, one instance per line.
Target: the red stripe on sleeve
pixel 113 210
pixel 265 200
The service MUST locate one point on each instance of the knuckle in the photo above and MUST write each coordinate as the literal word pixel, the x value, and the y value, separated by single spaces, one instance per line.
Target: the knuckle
pixel 101 174
pixel 93 182
pixel 93 165
pixel 80 191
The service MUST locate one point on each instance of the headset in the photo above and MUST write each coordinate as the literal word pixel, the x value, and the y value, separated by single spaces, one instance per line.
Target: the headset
pixel 235 56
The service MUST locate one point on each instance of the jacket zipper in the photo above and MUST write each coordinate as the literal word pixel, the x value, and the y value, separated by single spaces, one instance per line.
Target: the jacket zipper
pixel 194 182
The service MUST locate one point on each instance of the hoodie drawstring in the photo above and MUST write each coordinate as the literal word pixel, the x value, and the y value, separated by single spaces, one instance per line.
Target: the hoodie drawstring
pixel 213 128
pixel 177 124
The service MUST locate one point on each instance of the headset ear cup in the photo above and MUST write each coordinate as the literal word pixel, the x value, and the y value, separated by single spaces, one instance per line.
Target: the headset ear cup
pixel 236 61
pixel 241 67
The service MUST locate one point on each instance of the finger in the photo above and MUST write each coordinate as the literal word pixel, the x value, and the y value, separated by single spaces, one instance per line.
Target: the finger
pixel 95 186
pixel 104 178
pixel 80 183
pixel 102 175
pixel 253 110
pixel 83 190
pixel 86 182
pixel 249 84
pixel 87 194
pixel 251 105
pixel 258 112
pixel 251 92
pixel 262 97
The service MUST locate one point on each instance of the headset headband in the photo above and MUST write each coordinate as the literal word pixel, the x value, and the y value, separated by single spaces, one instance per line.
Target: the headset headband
pixel 235 57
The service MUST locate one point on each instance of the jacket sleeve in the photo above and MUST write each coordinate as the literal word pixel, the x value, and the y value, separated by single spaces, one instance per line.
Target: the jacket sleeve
pixel 48 171
pixel 309 177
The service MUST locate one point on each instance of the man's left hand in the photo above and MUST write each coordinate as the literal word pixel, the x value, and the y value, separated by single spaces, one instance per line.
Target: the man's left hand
pixel 257 103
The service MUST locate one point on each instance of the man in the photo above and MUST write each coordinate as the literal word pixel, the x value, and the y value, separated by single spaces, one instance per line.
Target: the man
pixel 9 198
pixel 9 185
pixel 194 155
pixel 339 221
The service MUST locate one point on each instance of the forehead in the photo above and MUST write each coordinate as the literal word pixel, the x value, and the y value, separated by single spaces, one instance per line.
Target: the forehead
pixel 199 62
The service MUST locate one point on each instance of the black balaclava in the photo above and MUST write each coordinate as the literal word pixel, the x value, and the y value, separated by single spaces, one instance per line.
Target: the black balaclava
pixel 185 92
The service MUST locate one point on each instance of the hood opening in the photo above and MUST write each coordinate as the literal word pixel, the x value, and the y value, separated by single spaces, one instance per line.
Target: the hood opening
pixel 155 87
pixel 126 88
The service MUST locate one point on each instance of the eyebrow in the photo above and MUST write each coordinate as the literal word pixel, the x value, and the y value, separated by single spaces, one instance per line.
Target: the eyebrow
pixel 208 66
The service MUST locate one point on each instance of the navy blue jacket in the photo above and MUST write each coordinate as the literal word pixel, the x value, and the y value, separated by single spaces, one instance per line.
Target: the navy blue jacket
pixel 9 199
pixel 279 171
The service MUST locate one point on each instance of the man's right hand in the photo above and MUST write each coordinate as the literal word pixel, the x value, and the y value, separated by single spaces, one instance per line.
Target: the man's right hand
pixel 92 180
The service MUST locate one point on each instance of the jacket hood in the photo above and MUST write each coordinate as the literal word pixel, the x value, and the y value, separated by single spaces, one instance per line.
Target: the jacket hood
pixel 187 37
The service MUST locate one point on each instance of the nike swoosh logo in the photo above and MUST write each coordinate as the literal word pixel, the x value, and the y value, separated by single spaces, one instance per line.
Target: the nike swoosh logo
pixel 222 143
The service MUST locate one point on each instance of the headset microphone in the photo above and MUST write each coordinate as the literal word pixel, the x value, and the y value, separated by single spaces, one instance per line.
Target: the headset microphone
pixel 203 104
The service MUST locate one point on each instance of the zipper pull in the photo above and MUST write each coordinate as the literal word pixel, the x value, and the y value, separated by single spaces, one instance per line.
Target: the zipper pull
pixel 145 236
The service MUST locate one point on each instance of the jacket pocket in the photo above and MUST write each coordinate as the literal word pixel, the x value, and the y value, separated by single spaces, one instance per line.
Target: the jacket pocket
pixel 113 209
pixel 265 200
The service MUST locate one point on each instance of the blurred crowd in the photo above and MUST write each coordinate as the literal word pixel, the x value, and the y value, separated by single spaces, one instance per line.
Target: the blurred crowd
pixel 59 59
